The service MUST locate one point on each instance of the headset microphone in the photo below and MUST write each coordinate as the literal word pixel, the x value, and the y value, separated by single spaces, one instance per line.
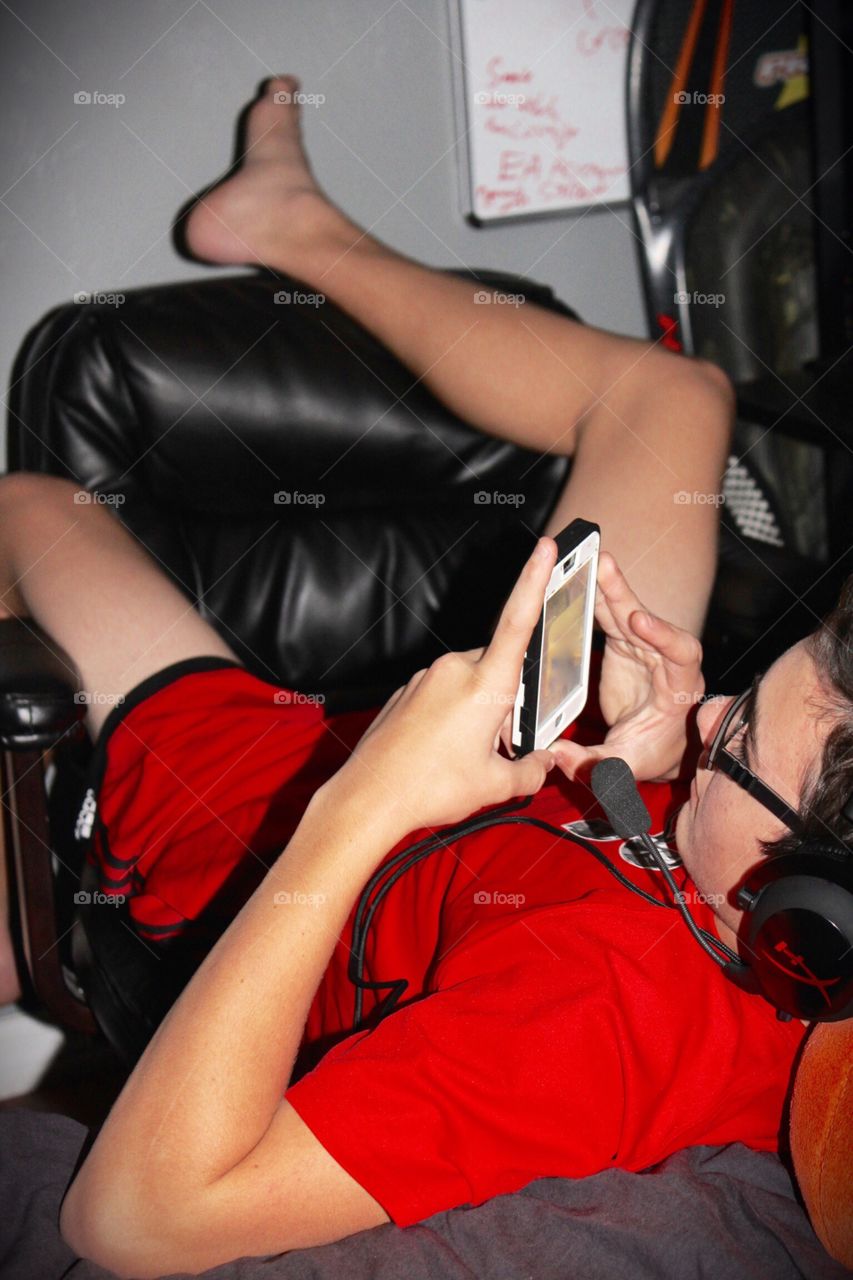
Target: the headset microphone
pixel 797 924
pixel 615 789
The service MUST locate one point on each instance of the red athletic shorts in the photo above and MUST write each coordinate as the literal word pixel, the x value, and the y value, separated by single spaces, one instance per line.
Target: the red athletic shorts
pixel 201 776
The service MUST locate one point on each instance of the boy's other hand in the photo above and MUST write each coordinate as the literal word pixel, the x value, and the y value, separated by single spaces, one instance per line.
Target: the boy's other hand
pixel 651 678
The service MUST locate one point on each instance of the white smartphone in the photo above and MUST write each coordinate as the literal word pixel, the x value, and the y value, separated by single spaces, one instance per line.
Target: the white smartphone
pixel 555 676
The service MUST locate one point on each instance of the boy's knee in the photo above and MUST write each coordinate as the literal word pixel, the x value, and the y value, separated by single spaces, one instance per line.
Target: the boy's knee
pixel 702 388
pixel 718 403
pixel 716 383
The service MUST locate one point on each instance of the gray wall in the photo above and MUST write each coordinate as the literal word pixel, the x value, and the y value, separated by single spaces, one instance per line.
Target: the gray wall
pixel 90 192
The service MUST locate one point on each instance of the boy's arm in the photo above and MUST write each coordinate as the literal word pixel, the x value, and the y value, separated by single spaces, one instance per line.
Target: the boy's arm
pixel 201 1160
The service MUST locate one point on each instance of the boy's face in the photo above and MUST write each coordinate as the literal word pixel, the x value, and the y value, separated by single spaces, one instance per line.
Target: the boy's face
pixel 719 830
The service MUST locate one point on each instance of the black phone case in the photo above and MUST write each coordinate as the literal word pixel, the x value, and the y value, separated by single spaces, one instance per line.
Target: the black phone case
pixel 572 536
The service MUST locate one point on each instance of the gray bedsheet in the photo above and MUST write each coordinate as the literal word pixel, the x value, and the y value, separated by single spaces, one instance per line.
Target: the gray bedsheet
pixel 727 1213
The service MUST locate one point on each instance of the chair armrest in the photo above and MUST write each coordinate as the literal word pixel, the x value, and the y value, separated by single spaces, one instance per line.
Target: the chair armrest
pixel 39 687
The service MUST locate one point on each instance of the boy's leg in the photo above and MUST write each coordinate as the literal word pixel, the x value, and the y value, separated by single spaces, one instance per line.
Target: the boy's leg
pixel 75 570
pixel 644 425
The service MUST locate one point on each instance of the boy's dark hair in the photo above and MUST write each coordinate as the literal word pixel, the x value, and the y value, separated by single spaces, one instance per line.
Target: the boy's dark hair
pixel 827 793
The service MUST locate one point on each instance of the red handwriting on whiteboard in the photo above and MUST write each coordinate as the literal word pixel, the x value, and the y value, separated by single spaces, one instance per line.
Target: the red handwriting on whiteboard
pixel 549 178
pixel 498 76
pixel 520 115
pixel 611 39
pixel 518 166
pixel 528 104
pixel 518 129
pixel 592 40
pixel 501 200
pixel 578 182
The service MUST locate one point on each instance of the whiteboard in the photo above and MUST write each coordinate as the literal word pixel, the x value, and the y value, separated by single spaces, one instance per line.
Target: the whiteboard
pixel 540 99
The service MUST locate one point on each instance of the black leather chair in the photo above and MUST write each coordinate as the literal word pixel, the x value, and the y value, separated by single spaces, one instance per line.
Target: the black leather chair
pixel 315 502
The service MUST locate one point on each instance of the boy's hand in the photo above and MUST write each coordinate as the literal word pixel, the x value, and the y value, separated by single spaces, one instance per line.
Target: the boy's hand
pixel 431 756
pixel 651 678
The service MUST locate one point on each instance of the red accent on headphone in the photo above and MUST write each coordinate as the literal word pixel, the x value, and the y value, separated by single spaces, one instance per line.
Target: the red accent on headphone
pixel 810 979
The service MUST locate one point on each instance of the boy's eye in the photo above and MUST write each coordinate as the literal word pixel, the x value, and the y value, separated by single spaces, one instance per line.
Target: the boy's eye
pixel 737 744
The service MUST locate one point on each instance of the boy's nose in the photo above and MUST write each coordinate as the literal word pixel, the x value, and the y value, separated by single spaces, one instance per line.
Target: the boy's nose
pixel 708 718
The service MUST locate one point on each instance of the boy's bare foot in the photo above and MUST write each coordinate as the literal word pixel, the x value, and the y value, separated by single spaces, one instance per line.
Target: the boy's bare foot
pixel 271 210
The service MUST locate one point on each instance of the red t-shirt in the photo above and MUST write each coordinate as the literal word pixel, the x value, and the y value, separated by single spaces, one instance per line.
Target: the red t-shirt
pixel 578 1029
pixel 554 1023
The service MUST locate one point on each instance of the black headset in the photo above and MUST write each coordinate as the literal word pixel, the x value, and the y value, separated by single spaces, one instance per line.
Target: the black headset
pixel 797 927
pixel 797 930
pixel 796 934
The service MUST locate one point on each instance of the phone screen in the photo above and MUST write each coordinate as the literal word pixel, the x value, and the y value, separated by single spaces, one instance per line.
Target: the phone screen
pixel 562 641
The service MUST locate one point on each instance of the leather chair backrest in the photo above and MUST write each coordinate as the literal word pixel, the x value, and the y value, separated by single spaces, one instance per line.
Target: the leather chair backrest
pixel 323 510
